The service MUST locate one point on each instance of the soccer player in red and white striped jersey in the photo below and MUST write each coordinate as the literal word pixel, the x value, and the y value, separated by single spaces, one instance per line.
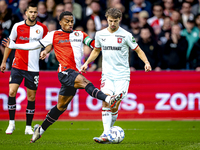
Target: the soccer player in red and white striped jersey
pixel 68 47
pixel 25 65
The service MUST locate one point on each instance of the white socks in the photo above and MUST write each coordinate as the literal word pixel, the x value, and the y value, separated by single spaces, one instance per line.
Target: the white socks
pixel 107 100
pixel 114 118
pixel 11 121
pixel 106 119
pixel 28 127
pixel 41 131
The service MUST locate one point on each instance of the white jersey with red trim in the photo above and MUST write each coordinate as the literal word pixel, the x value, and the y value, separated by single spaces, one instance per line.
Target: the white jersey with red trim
pixel 68 47
pixel 115 52
pixel 22 33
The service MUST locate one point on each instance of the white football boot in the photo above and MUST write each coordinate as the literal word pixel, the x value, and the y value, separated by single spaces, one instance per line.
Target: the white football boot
pixel 36 134
pixel 10 129
pixel 103 139
pixel 29 130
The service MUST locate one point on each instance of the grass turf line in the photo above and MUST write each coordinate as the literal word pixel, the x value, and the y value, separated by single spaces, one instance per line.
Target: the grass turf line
pixel 139 135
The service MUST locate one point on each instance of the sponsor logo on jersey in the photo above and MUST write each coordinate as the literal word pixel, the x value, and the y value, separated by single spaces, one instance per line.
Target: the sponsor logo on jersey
pixel 27 39
pixel 111 48
pixel 120 36
pixel 66 41
pixel 21 30
pixel 76 33
pixel 38 31
pixel 119 40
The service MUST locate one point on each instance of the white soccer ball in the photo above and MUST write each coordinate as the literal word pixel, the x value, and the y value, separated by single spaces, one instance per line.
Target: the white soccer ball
pixel 116 134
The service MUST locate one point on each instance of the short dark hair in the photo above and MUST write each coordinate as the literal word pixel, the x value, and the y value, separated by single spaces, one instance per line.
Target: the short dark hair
pixel 114 13
pixel 31 5
pixel 65 13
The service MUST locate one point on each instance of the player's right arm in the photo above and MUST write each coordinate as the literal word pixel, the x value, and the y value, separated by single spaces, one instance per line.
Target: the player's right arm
pixel 27 46
pixel 13 36
pixel 94 54
pixel 47 40
pixel 5 57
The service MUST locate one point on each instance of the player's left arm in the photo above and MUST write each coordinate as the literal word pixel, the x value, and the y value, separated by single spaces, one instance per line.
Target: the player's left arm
pixel 88 41
pixel 143 57
pixel 44 53
pixel 133 45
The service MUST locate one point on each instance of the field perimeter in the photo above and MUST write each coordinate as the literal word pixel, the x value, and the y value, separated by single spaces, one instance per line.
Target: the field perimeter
pixel 139 135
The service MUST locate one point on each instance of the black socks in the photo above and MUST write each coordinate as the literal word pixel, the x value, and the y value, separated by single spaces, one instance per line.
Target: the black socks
pixel 12 107
pixel 95 92
pixel 30 110
pixel 51 117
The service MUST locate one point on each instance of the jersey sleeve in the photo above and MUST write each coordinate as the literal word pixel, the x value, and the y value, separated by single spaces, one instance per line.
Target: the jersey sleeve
pixel 87 40
pixel 48 39
pixel 13 34
pixel 131 42
pixel 45 31
pixel 26 46
pixel 97 42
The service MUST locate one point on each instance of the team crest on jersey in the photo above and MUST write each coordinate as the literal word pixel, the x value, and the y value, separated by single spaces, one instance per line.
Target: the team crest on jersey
pixel 37 31
pixel 119 40
pixel 76 33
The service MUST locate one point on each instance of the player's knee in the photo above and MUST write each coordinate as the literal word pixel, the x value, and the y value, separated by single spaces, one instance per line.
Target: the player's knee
pixel 81 82
pixel 12 92
pixel 31 97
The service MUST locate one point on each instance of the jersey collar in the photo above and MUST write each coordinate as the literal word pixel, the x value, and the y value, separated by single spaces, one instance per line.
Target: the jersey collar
pixel 67 31
pixel 30 25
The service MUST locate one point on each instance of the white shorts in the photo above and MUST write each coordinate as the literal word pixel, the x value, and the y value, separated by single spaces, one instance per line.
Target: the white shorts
pixel 113 87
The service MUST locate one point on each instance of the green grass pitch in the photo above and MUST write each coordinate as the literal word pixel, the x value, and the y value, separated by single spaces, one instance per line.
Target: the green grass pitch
pixel 78 135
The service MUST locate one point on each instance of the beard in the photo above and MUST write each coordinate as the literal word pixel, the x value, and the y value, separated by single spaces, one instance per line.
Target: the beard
pixel 31 20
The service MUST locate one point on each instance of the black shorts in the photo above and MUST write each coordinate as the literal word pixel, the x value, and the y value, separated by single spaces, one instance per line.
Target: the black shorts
pixel 67 79
pixel 31 78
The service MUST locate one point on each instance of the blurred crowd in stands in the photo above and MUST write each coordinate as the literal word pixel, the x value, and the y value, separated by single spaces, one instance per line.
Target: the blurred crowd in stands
pixel 168 31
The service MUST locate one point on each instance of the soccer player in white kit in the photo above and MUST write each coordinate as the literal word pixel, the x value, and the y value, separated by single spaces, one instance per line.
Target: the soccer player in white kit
pixel 114 42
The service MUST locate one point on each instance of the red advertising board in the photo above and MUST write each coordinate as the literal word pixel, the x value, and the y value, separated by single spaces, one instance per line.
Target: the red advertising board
pixel 153 95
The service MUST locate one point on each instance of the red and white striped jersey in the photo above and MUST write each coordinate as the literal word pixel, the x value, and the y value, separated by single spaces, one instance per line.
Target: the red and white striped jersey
pixel 68 47
pixel 22 33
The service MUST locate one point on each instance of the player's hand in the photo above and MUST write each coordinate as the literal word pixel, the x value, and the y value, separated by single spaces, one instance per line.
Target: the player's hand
pixel 43 55
pixel 3 67
pixel 6 42
pixel 84 68
pixel 147 67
